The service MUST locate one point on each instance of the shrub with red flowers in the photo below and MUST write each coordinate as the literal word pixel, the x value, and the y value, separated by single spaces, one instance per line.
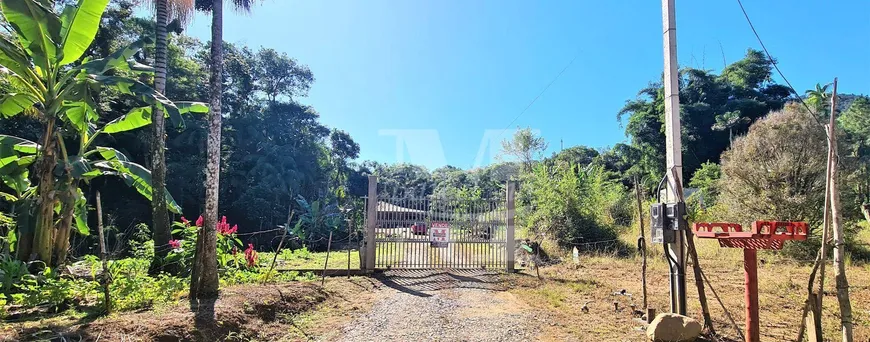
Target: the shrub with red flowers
pixel 227 243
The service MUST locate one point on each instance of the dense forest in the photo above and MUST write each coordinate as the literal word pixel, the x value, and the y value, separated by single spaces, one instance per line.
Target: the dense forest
pixel 748 142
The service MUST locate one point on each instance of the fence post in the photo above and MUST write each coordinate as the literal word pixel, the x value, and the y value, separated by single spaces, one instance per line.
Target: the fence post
pixel 371 221
pixel 510 242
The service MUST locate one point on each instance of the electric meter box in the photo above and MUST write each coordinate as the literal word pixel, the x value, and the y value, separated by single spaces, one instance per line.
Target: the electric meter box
pixel 658 221
pixel 666 220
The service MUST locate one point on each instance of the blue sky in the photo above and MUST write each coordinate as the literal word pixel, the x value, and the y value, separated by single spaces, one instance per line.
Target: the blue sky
pixel 444 74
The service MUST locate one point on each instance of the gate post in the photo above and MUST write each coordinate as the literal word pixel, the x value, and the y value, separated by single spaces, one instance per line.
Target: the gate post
pixel 371 222
pixel 510 241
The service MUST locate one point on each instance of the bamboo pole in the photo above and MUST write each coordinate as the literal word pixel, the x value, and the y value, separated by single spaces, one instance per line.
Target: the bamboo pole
pixel 107 277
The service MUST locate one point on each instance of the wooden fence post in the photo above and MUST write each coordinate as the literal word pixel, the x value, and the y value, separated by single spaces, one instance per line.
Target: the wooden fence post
pixel 510 242
pixel 371 221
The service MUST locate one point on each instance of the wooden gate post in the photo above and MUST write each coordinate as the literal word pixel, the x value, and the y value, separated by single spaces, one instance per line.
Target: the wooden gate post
pixel 510 242
pixel 371 221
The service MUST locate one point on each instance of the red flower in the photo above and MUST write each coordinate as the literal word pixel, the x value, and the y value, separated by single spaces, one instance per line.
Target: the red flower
pixel 185 221
pixel 199 221
pixel 223 227
pixel 251 255
pixel 175 244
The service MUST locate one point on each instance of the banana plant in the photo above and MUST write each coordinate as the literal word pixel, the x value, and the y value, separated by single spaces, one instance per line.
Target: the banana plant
pixel 318 219
pixel 43 61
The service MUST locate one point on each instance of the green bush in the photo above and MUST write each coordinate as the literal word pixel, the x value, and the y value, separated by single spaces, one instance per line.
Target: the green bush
pixel 573 206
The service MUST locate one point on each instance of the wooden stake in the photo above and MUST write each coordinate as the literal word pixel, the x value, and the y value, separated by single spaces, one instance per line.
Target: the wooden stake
pixel 837 225
pixel 826 227
pixel 696 267
pixel 280 244
pixel 325 263
pixel 641 240
pixel 350 241
pixel 107 277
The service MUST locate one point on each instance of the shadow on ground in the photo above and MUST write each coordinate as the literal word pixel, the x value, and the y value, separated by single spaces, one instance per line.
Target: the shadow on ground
pixel 417 282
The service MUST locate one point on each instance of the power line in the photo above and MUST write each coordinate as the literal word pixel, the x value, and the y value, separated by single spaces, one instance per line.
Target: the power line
pixel 539 94
pixel 542 92
pixel 775 66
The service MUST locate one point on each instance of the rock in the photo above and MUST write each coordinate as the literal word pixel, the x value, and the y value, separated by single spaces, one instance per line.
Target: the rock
pixel 671 327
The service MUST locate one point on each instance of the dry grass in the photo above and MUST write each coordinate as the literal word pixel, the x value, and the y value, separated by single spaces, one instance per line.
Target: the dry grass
pixel 782 290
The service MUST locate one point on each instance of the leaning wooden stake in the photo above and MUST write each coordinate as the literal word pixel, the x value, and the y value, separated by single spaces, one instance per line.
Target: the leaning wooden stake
pixel 280 244
pixel 696 267
pixel 641 240
pixel 107 277
pixel 325 263
pixel 811 304
pixel 826 228
pixel 837 225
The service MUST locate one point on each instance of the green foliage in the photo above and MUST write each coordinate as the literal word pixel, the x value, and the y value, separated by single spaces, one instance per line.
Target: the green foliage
pixel 41 55
pixel 572 206
pixel 132 287
pixel 299 253
pixel 705 179
pixel 714 108
pixel 526 146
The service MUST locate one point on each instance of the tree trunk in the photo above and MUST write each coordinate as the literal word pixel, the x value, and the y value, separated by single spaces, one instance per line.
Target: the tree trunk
pixel 208 276
pixel 865 209
pixel 44 230
pixel 61 238
pixel 159 215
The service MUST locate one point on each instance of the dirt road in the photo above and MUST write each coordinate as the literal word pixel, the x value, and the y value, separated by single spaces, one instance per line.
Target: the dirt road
pixel 442 306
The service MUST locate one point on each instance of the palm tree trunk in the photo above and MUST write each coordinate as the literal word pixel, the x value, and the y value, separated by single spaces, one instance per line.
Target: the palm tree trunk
pixel 159 214
pixel 44 230
pixel 208 276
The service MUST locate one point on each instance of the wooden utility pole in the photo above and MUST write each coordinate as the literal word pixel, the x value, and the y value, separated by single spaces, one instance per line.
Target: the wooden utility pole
pixel 673 149
pixel 837 223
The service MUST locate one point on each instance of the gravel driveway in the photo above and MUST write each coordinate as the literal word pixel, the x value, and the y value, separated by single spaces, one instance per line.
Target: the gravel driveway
pixel 442 306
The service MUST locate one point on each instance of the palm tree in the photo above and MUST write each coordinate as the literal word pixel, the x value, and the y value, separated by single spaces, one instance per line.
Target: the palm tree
pixel 204 278
pixel 818 98
pixel 180 10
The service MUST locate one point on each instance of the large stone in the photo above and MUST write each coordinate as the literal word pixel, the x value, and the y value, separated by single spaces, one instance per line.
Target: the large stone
pixel 671 327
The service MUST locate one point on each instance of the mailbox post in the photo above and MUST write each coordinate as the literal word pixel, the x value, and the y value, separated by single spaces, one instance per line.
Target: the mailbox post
pixel 763 235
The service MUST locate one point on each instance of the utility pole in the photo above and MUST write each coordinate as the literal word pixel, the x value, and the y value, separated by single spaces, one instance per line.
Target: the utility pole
pixel 674 156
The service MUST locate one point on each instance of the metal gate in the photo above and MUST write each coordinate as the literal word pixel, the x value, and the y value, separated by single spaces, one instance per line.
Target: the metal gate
pixel 440 232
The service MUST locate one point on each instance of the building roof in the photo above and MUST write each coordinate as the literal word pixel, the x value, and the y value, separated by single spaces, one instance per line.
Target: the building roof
pixel 389 207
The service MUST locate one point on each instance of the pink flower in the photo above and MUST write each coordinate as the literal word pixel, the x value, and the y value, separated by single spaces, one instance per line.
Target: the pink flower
pixel 185 221
pixel 251 255
pixel 233 230
pixel 199 221
pixel 175 244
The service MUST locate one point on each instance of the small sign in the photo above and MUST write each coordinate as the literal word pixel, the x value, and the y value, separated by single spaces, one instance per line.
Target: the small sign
pixel 439 234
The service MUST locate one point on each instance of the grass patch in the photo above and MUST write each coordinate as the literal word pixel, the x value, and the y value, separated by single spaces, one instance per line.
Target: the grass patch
pixel 303 259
